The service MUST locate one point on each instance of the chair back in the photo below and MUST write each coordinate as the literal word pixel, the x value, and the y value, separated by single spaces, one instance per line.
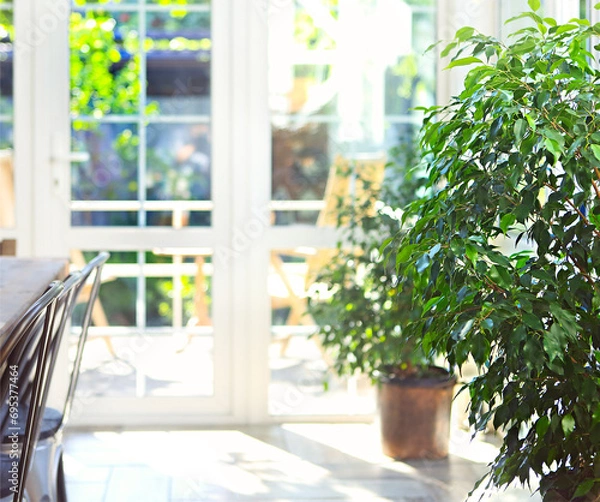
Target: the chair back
pixel 351 183
pixel 25 370
pixel 90 278
pixel 63 311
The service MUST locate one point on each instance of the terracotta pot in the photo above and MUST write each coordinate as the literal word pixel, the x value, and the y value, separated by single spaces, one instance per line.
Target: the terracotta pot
pixel 415 416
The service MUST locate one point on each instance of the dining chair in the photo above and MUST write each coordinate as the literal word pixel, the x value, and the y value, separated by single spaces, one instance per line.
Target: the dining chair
pixel 62 308
pixel 47 480
pixel 25 370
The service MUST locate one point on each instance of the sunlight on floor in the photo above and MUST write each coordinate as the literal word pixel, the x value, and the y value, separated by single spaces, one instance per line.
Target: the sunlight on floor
pixel 291 462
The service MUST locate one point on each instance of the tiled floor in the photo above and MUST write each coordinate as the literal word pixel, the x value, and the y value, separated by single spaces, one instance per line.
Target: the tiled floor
pixel 293 462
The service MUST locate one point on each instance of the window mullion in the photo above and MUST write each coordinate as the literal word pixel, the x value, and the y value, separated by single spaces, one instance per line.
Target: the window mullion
pixel 142 113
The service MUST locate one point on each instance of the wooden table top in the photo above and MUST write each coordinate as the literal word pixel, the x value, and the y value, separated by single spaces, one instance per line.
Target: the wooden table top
pixel 22 281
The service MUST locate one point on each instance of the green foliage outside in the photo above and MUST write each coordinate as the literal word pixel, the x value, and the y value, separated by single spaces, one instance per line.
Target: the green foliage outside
pixel 96 89
pixel 105 82
pixel 505 254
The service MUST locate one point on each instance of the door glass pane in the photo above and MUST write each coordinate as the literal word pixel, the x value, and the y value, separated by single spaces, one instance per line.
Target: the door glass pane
pixel 186 146
pixel 344 78
pixel 178 62
pixel 302 382
pixel 7 196
pixel 141 157
pixel 151 334
pixel 140 105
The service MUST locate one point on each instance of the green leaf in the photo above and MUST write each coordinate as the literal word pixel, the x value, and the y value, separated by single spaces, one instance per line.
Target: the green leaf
pixel 422 263
pixel 596 415
pixel 471 253
pixel 568 425
pixel 532 321
pixel 584 488
pixel 520 128
pixel 563 28
pixel 531 122
pixel 464 62
pixel 464 33
pixel 525 46
pixel 499 259
pixel 431 303
pixel 404 254
pixel 534 4
pixel 554 136
pixel 532 353
pixel 523 210
pixel 567 321
pixel 596 150
pixel 555 343
pixel 506 221
pixel 448 49
pixel 541 426
pixel 432 46
pixel 501 276
pixel 542 275
pixel 553 147
pixel 487 323
pixel 523 15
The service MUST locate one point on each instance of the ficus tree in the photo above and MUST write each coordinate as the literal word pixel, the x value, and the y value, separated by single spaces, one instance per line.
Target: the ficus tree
pixel 504 254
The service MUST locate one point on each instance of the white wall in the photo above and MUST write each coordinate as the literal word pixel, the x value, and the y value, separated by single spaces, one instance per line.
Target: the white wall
pixel 453 15
pixel 488 17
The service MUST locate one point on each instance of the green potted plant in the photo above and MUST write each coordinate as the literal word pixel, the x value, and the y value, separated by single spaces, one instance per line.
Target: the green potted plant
pixel 360 308
pixel 505 255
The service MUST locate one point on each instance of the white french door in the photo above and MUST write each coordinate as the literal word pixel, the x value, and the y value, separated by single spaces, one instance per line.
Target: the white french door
pixel 129 105
pixel 192 140
pixel 152 184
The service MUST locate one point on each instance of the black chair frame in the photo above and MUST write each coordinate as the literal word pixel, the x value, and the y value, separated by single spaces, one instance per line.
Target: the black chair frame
pixel 25 369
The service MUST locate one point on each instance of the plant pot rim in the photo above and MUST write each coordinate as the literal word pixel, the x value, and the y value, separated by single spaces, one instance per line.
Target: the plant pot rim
pixel 436 377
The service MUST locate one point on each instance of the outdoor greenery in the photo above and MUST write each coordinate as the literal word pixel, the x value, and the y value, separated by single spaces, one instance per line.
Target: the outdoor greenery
pixel 105 69
pixel 504 255
pixel 96 89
